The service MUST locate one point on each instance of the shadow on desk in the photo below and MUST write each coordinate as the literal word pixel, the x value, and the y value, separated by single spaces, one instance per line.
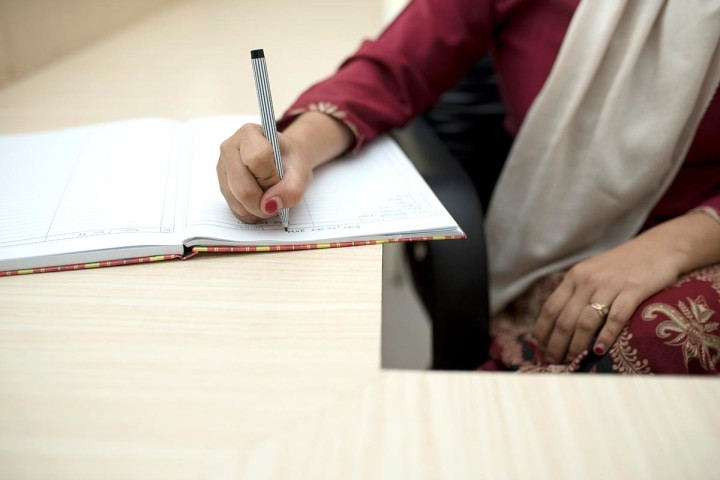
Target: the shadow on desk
pixel 443 283
pixel 459 147
pixel 406 328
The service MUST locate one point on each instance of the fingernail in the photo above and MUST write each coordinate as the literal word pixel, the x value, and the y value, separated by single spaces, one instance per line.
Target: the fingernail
pixel 533 343
pixel 599 349
pixel 537 358
pixel 272 205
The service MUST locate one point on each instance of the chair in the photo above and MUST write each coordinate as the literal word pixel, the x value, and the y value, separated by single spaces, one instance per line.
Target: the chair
pixel 459 147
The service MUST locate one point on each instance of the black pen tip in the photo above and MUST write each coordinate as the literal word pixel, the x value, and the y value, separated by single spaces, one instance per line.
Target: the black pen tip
pixel 285 229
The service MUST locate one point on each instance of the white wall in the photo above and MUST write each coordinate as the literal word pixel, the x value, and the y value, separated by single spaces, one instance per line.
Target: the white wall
pixel 35 32
pixel 392 8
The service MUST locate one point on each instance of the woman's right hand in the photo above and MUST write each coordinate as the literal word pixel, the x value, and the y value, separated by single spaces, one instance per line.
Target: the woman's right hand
pixel 246 170
pixel 249 180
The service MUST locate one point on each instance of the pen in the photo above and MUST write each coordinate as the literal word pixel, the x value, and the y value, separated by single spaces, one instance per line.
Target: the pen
pixel 267 115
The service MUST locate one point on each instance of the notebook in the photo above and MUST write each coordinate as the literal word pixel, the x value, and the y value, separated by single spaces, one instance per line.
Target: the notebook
pixel 146 189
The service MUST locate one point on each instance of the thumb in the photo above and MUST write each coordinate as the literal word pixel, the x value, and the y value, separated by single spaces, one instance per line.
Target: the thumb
pixel 287 193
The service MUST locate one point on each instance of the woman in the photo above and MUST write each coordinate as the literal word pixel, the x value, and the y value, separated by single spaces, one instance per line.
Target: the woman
pixel 617 138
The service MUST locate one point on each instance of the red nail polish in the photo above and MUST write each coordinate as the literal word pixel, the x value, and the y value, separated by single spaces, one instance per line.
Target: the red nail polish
pixel 537 358
pixel 599 349
pixel 271 206
pixel 532 343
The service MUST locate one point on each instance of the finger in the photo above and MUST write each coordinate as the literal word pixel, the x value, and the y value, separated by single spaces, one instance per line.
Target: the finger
pixel 621 310
pixel 235 206
pixel 241 183
pixel 258 156
pixel 564 328
pixel 549 313
pixel 288 192
pixel 589 322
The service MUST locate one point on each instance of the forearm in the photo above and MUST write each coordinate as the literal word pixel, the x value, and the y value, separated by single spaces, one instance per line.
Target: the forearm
pixel 690 241
pixel 321 136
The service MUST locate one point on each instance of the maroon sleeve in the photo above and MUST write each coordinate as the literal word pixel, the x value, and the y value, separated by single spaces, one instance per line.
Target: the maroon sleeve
pixel 697 185
pixel 424 52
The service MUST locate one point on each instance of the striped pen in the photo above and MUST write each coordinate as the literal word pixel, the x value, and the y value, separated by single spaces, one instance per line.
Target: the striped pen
pixel 267 115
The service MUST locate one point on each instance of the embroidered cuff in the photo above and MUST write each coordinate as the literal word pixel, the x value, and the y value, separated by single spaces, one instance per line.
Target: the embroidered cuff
pixel 709 211
pixel 333 111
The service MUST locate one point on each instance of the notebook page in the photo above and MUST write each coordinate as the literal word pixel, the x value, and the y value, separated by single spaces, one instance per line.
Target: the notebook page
pixel 375 194
pixel 99 187
pixel 201 203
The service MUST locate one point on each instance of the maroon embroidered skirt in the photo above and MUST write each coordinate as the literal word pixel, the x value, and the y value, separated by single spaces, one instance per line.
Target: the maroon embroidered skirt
pixel 676 331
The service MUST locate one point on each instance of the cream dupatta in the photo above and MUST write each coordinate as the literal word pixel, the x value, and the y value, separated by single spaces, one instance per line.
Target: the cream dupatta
pixel 604 138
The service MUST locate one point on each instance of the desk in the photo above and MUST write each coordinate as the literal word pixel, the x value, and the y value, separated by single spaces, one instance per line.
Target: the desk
pixel 188 370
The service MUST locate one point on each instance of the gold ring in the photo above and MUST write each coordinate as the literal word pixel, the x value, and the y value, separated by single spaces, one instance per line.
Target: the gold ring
pixel 601 309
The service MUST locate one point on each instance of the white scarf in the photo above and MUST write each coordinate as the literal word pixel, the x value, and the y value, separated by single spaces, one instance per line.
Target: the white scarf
pixel 604 138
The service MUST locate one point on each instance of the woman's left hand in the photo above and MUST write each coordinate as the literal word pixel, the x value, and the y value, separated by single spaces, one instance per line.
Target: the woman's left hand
pixel 601 293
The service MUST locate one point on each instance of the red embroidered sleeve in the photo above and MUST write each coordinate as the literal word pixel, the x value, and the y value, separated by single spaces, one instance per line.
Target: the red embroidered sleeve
pixel 389 80
pixel 710 207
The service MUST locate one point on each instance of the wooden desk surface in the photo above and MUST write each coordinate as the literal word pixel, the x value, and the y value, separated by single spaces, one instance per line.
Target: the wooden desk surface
pixel 267 365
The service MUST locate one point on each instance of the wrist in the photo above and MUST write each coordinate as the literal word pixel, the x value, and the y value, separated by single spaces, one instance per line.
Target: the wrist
pixel 321 136
pixel 688 242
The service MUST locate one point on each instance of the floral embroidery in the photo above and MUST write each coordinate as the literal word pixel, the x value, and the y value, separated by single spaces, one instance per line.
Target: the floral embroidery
pixel 334 111
pixel 688 320
pixel 692 328
pixel 709 211
pixel 554 368
pixel 710 275
pixel 507 338
pixel 624 357
pixel 328 109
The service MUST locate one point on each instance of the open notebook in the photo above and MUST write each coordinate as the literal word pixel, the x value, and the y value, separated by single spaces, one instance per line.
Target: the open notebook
pixel 146 189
